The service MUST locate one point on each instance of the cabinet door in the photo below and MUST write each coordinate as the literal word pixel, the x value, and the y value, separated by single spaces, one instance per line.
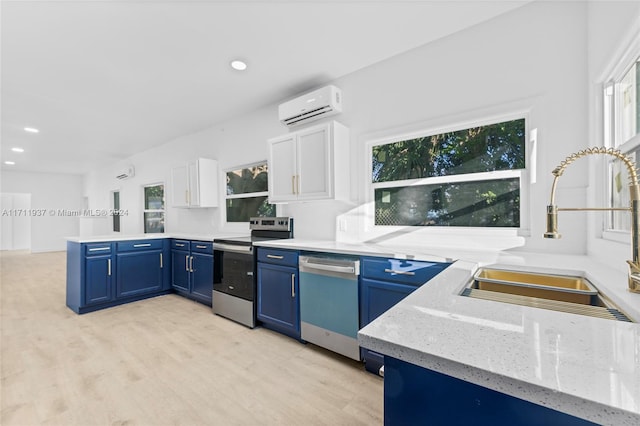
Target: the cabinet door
pixel 98 279
pixel 314 165
pixel 180 261
pixel 139 273
pixel 278 297
pixel 202 276
pixel 282 169
pixel 378 296
pixel 194 185
pixel 180 186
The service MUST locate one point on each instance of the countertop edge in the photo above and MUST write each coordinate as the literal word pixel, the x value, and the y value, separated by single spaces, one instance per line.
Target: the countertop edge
pixel 540 395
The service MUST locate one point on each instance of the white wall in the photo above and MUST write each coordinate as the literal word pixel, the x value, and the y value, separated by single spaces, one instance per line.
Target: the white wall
pixel 535 58
pixel 49 193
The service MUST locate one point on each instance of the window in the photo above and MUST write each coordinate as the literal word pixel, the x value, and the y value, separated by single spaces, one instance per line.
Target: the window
pixel 115 195
pixel 622 131
pixel 469 177
pixel 154 209
pixel 247 191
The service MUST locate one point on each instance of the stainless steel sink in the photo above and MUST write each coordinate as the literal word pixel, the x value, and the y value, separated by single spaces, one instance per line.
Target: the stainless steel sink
pixel 566 293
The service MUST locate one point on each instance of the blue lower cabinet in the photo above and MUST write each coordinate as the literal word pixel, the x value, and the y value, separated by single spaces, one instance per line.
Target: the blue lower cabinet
pixel 99 279
pixel 192 269
pixel 278 305
pixel 139 273
pixel 385 282
pixel 101 275
pixel 414 395
pixel 376 297
pixel 180 273
pixel 202 276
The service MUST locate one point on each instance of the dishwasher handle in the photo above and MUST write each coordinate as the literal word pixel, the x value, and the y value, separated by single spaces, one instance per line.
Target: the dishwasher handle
pixel 310 264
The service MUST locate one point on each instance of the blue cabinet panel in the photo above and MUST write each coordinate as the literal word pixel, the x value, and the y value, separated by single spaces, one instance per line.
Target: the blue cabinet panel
pixel 98 278
pixel 202 275
pixel 385 282
pixel 378 296
pixel 415 272
pixel 180 274
pixel 180 244
pixel 278 305
pixel 139 273
pixel 414 395
pixel 95 249
pixel 203 247
pixel 140 245
pixel 278 257
pixel 192 269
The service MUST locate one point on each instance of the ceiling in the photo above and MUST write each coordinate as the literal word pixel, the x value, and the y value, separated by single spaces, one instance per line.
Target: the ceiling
pixel 103 80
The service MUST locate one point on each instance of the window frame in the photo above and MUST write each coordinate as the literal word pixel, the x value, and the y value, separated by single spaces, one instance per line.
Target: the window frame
pixel 244 195
pixel 163 211
pixel 115 212
pixel 420 130
pixel 611 129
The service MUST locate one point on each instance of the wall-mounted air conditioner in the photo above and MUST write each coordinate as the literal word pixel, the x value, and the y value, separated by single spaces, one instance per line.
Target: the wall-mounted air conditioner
pixel 311 106
pixel 125 172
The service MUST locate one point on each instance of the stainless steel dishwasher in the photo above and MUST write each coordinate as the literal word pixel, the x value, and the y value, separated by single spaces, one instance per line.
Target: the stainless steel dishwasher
pixel 329 303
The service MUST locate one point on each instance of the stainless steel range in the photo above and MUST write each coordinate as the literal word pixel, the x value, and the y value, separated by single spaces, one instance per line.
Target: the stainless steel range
pixel 234 285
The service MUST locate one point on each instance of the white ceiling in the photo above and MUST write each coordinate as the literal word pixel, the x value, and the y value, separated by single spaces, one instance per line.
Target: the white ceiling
pixel 103 80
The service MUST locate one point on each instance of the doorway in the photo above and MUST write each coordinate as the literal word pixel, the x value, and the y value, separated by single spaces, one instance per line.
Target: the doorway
pixel 15 221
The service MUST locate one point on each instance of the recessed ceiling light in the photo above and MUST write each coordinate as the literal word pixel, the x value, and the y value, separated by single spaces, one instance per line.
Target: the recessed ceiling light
pixel 16 149
pixel 239 65
pixel 31 130
pixel 10 163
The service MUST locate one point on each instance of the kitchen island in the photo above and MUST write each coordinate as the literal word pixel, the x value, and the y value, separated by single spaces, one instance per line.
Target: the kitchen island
pixel 583 366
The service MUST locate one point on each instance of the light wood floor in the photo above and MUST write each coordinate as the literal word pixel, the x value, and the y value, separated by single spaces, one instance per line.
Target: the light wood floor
pixel 162 361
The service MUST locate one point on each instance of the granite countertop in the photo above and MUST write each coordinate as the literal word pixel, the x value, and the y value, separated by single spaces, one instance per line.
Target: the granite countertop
pixel 587 367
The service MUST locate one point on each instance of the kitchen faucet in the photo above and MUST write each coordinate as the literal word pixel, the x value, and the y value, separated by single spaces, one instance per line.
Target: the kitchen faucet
pixel 634 190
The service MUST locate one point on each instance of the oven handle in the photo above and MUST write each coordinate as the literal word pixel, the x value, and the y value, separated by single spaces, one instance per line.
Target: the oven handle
pixel 233 248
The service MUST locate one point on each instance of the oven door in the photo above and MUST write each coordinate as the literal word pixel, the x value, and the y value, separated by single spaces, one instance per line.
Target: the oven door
pixel 233 273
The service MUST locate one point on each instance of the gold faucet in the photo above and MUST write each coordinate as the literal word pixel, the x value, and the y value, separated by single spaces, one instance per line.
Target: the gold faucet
pixel 634 208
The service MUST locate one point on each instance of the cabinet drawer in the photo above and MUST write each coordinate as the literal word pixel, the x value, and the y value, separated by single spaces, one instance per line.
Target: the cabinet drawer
pixel 97 249
pixel 411 272
pixel 180 245
pixel 139 245
pixel 202 247
pixel 278 257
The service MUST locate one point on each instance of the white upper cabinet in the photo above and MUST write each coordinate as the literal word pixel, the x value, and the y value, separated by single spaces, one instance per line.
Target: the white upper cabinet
pixel 310 164
pixel 195 184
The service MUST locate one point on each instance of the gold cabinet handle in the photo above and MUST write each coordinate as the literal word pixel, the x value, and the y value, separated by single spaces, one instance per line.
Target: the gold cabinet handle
pixel 109 267
pixel 297 184
pixel 293 184
pixel 293 285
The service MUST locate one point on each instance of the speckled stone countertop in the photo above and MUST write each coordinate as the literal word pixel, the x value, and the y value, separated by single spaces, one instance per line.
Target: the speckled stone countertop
pixel 587 367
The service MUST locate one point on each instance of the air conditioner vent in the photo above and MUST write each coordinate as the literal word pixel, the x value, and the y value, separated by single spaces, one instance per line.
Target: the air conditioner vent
pixel 311 106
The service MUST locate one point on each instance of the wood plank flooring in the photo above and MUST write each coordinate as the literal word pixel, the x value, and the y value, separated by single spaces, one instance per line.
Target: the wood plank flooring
pixel 162 361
